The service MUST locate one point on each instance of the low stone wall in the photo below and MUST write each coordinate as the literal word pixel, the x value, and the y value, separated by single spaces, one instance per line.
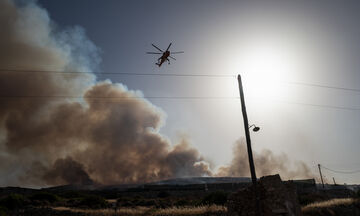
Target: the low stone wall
pixel 276 198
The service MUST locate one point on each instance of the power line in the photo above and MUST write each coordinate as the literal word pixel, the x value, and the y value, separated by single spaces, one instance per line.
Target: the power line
pixel 114 99
pixel 342 172
pixel 343 164
pixel 118 73
pixel 171 75
pixel 170 97
pixel 105 97
pixel 321 106
pixel 324 86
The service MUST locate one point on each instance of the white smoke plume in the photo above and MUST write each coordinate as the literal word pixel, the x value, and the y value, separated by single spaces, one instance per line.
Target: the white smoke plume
pixel 47 141
pixel 266 163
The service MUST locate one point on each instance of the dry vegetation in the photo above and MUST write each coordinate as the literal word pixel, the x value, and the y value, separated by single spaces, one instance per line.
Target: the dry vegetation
pixel 107 212
pixel 329 203
pixel 334 207
pixel 155 203
pixel 200 210
pixel 173 211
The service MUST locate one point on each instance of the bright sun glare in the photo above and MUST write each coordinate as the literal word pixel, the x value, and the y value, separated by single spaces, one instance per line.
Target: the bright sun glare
pixel 264 69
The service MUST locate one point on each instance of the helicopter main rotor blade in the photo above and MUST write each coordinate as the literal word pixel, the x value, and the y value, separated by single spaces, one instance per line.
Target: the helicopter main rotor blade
pixel 157 48
pixel 168 47
pixel 172 58
pixel 177 52
pixel 153 53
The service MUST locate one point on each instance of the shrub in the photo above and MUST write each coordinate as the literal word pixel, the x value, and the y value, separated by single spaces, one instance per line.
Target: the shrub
pixel 3 211
pixel 163 194
pixel 217 198
pixel 306 199
pixel 45 197
pixel 72 194
pixel 13 201
pixel 146 202
pixel 124 201
pixel 94 202
pixel 182 202
pixel 163 203
pixel 358 193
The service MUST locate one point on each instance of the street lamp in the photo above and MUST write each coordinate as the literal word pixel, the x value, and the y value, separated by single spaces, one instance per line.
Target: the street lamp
pixel 255 129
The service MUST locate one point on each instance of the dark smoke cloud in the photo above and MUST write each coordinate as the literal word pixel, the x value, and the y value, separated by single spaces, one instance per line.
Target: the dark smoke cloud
pixel 53 141
pixel 65 171
pixel 266 163
pixel 27 41
pixel 50 141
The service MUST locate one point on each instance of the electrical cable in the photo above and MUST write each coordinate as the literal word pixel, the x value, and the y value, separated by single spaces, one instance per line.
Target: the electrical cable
pixel 342 172
pixel 171 75
pixel 103 98
pixel 118 73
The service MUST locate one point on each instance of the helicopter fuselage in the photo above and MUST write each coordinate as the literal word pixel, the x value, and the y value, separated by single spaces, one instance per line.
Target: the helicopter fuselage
pixel 163 58
pixel 165 55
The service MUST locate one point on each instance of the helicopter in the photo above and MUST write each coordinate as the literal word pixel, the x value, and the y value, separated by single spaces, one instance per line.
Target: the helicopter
pixel 165 55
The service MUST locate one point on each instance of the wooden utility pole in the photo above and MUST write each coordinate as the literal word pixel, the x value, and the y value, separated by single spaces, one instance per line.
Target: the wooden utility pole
pixel 334 181
pixel 322 181
pixel 248 143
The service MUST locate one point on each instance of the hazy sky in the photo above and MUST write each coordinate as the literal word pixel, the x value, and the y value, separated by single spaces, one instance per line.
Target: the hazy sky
pixel 271 43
